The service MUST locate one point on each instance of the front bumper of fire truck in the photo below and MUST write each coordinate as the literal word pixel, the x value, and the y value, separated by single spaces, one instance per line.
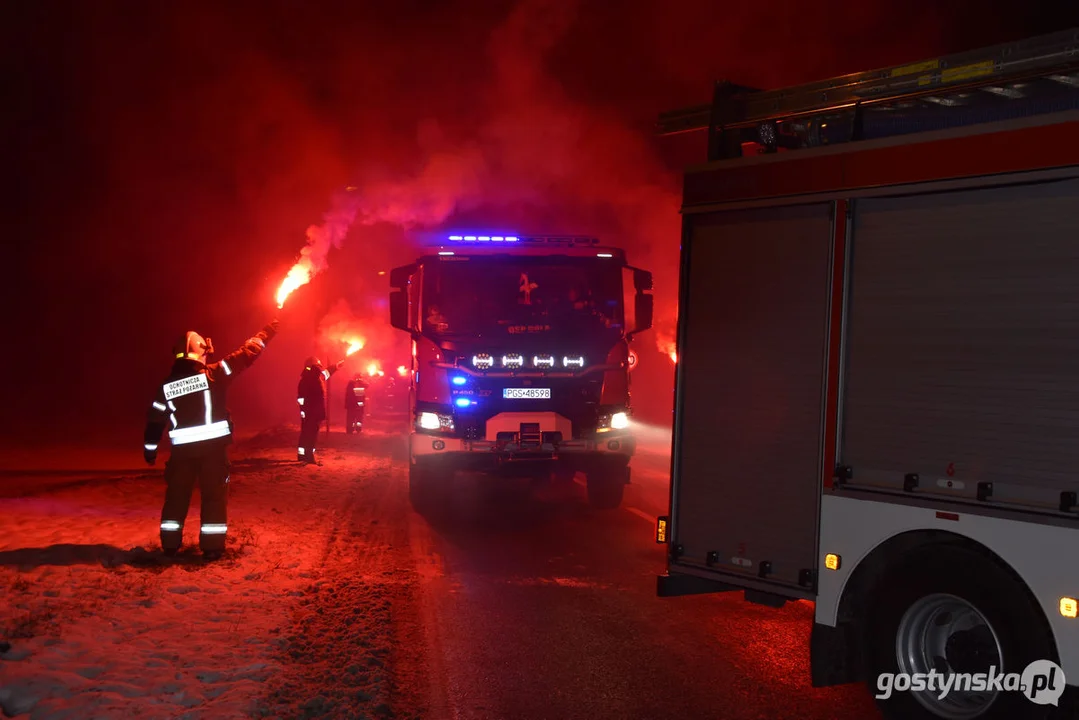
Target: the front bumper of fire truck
pixel 530 441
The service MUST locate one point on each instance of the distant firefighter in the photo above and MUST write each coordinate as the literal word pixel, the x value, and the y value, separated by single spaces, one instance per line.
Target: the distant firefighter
pixel 192 400
pixel 355 403
pixel 311 395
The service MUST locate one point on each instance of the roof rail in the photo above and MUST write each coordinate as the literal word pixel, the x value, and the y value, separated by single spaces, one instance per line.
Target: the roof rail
pixel 735 107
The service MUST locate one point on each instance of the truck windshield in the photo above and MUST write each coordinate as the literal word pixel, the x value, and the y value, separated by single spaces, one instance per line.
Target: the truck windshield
pixel 500 295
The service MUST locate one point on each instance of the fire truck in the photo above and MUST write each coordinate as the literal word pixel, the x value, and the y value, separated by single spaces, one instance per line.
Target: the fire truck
pixel 521 360
pixel 877 390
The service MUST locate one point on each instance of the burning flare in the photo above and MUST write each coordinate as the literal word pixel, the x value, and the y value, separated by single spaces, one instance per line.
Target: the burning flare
pixel 665 343
pixel 372 369
pixel 402 370
pixel 299 275
pixel 320 240
pixel 354 346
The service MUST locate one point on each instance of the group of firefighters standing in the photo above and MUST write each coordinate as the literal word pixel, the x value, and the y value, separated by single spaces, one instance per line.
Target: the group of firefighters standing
pixel 191 404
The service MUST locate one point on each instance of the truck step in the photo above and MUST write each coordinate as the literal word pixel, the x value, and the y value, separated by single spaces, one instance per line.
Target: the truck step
pixel 530 435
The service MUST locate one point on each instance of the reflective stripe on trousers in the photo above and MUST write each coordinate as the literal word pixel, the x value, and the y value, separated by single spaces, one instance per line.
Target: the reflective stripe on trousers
pixel 212 536
pixel 172 534
pixel 204 465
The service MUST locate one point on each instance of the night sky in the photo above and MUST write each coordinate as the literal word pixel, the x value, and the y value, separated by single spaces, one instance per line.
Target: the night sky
pixel 165 160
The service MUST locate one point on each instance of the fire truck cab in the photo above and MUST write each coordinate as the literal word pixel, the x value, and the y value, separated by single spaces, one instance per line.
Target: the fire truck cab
pixel 521 360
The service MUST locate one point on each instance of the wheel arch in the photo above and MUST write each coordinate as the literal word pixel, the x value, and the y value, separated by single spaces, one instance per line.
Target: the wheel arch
pixel 871 572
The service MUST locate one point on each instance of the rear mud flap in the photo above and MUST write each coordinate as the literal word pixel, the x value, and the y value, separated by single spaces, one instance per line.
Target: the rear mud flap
pixel 668 585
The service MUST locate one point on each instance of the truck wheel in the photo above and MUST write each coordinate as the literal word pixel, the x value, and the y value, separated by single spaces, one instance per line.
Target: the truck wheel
pixel 953 610
pixel 606 486
pixel 564 475
pixel 428 486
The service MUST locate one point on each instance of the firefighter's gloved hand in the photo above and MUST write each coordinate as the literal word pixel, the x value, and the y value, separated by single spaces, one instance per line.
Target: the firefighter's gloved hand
pixel 340 363
pixel 271 328
pixel 150 456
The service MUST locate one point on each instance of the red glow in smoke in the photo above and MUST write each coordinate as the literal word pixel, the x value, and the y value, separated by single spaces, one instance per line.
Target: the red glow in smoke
pixel 366 338
pixel 542 154
pixel 529 155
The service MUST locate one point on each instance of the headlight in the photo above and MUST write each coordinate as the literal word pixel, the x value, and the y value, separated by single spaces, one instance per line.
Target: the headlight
pixel 613 421
pixel 435 421
pixel 513 361
pixel 572 361
pixel 483 361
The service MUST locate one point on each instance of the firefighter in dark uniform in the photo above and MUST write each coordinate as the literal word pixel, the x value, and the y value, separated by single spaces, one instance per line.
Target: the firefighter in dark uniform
pixel 192 404
pixel 355 402
pixel 311 395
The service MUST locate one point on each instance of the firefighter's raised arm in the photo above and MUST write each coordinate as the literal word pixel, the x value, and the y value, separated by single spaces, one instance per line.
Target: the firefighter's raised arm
pixel 243 357
pixel 156 419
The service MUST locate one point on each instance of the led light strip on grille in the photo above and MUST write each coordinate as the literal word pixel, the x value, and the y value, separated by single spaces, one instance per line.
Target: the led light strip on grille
pixel 516 361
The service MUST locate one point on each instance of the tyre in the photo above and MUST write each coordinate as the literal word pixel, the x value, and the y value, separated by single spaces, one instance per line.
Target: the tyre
pixel 540 478
pixel 606 486
pixel 564 475
pixel 951 609
pixel 428 486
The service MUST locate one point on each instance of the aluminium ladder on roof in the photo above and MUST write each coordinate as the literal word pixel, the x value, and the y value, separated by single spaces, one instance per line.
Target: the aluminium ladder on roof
pixel 735 109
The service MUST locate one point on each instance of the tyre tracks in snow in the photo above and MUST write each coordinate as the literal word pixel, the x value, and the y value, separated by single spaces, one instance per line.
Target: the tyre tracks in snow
pixel 362 642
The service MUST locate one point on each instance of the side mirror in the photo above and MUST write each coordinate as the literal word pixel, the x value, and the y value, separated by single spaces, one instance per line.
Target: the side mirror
pixel 642 282
pixel 399 310
pixel 643 312
pixel 400 276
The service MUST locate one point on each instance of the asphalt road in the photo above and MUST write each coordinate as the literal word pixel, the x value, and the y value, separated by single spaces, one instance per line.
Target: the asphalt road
pixel 537 606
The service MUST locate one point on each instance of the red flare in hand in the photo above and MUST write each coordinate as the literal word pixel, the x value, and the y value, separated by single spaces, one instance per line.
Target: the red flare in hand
pixel 299 275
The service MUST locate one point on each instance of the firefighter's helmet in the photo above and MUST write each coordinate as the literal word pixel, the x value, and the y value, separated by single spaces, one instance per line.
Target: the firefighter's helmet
pixel 313 362
pixel 192 346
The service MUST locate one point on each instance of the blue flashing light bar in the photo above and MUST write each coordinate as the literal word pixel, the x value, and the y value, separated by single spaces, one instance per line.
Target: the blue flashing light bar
pixel 459 380
pixel 463 402
pixel 483 238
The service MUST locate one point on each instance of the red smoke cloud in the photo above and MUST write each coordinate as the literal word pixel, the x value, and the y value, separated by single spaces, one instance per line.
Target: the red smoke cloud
pixel 194 143
pixel 544 153
pixel 342 328
pixel 538 156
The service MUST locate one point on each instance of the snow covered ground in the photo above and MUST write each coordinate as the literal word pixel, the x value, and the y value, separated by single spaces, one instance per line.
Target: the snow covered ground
pixel 305 616
pixel 336 600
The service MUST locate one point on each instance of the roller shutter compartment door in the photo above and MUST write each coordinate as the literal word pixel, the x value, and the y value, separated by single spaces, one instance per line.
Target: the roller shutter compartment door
pixel 751 405
pixel 963 341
